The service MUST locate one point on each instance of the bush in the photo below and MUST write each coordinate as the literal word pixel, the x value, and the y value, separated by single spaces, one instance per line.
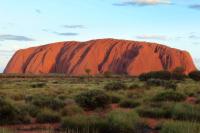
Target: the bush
pixel 23 116
pixel 186 112
pixel 115 86
pixel 155 82
pixel 170 85
pixel 107 74
pixel 178 76
pixel 134 86
pixel 180 127
pixel 121 122
pixel 93 99
pixel 195 75
pixel 164 83
pixel 179 70
pixel 115 122
pixel 129 103
pixel 154 112
pixel 115 98
pixel 38 85
pixel 45 101
pixel 163 75
pixel 32 110
pixel 8 112
pixel 82 123
pixel 169 96
pixel 47 116
pixel 72 110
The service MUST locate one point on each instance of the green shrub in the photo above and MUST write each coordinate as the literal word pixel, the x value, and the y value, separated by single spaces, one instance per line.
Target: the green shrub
pixel 178 76
pixel 195 75
pixel 38 85
pixel 134 86
pixel 47 116
pixel 115 86
pixel 115 122
pixel 121 122
pixel 115 98
pixel 155 82
pixel 72 110
pixel 32 110
pixel 170 85
pixel 179 70
pixel 23 116
pixel 82 123
pixel 169 96
pixel 163 75
pixel 8 112
pixel 164 83
pixel 93 99
pixel 186 112
pixel 180 127
pixel 154 112
pixel 107 74
pixel 45 101
pixel 129 103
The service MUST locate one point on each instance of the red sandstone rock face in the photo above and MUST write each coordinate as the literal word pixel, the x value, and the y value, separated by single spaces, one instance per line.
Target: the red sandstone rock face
pixel 117 56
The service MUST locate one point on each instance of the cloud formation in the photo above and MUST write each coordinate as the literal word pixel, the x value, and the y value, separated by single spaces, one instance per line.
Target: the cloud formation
pixel 194 37
pixel 196 6
pixel 8 37
pixel 66 33
pixel 74 26
pixel 61 33
pixel 38 11
pixel 142 2
pixel 152 37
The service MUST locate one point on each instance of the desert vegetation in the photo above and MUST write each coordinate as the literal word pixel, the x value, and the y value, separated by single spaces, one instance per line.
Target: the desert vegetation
pixel 157 102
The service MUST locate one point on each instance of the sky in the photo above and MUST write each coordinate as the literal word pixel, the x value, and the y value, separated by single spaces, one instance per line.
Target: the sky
pixel 27 23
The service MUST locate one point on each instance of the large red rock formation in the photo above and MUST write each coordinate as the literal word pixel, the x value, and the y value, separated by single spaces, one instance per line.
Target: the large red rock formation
pixel 117 56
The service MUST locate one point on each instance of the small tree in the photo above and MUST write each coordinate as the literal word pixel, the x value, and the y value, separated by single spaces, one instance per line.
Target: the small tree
pixel 107 74
pixel 88 71
pixel 179 73
pixel 179 70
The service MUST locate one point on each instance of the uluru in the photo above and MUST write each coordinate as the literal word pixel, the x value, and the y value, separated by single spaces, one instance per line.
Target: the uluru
pixel 101 55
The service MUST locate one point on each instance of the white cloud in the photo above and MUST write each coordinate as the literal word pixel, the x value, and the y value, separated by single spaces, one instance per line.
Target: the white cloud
pixel 7 37
pixel 196 6
pixel 74 26
pixel 150 2
pixel 143 2
pixel 152 37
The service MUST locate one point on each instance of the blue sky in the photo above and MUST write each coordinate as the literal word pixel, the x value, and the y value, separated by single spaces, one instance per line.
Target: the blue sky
pixel 26 23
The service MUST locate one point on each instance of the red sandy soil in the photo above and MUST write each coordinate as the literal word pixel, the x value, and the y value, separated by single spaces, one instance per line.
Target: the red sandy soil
pixel 103 55
pixel 191 100
pixel 152 123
